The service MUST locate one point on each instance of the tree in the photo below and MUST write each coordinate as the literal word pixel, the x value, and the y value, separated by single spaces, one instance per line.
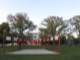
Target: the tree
pixel 4 30
pixel 52 24
pixel 75 21
pixel 4 26
pixel 19 23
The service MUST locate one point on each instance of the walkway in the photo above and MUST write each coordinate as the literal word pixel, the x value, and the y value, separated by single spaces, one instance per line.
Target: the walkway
pixel 34 52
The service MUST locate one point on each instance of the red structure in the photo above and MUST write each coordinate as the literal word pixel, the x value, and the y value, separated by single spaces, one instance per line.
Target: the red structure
pixel 39 42
pixel 58 40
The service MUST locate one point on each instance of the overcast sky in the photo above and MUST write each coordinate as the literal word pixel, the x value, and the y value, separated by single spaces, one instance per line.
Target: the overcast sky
pixel 37 10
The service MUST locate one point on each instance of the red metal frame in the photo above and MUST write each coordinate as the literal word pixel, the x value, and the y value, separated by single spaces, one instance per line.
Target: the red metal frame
pixel 37 42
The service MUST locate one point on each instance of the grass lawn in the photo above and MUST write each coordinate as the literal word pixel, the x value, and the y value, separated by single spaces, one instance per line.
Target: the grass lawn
pixel 66 53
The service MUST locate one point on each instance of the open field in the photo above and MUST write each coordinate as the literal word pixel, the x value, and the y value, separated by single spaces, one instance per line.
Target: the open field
pixel 66 53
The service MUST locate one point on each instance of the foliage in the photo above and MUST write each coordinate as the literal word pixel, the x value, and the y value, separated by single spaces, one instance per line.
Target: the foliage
pixel 20 22
pixel 75 21
pixel 53 25
pixel 62 39
pixel 4 27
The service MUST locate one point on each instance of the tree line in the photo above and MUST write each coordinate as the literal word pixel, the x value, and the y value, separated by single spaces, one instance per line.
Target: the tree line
pixel 17 24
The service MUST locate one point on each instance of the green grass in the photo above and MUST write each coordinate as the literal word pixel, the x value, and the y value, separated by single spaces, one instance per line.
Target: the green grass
pixel 66 53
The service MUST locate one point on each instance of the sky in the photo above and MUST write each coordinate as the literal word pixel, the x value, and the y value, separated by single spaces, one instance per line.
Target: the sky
pixel 37 10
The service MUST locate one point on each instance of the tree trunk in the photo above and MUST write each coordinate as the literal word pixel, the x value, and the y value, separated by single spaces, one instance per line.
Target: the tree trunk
pixel 3 44
pixel 12 40
pixel 79 32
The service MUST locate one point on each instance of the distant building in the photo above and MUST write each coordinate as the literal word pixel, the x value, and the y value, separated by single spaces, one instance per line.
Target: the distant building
pixel 35 34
